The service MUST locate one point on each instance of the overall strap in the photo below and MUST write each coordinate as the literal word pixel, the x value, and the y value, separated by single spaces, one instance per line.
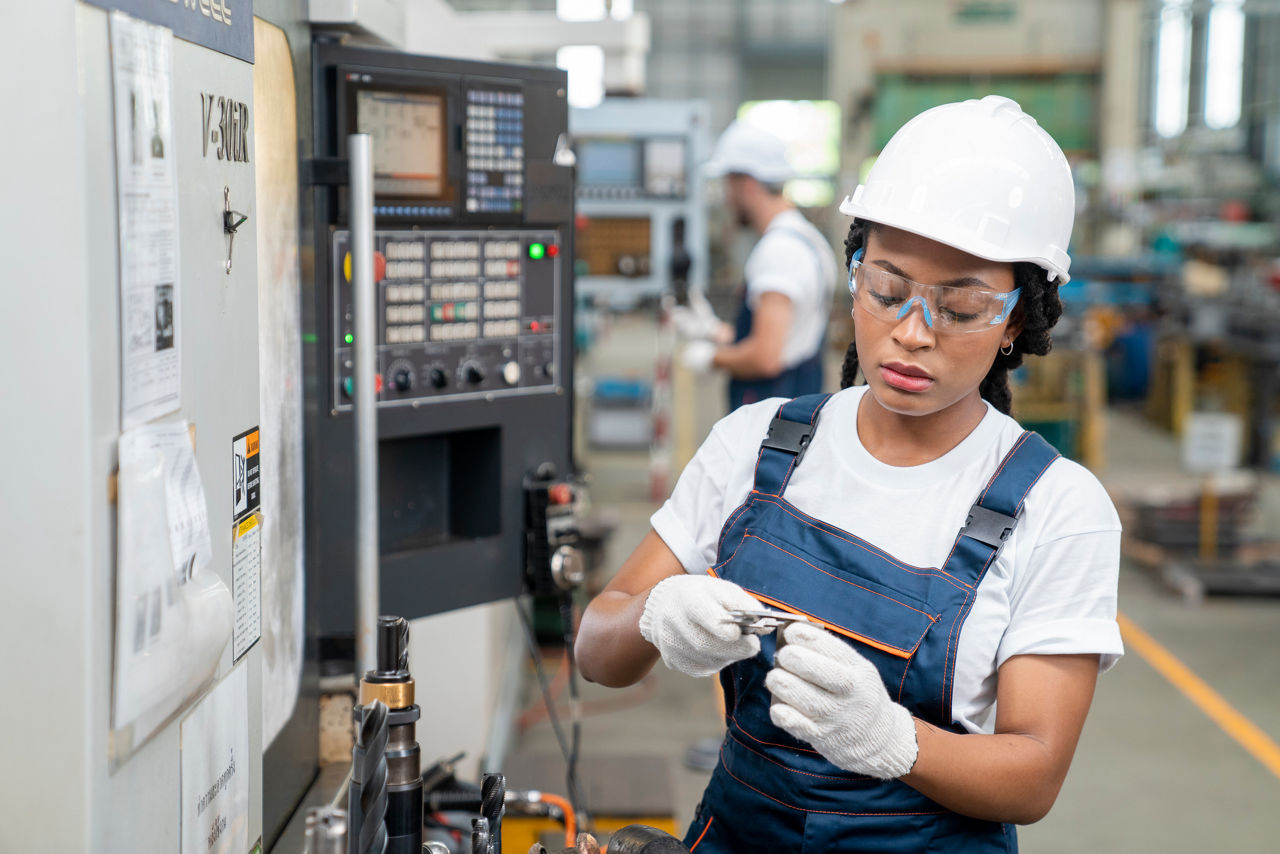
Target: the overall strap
pixel 994 515
pixel 790 432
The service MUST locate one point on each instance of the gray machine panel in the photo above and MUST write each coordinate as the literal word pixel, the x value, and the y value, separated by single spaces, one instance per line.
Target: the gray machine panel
pixel 452 457
pixel 461 314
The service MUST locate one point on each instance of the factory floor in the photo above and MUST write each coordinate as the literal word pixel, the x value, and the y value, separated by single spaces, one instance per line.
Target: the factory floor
pixel 1178 754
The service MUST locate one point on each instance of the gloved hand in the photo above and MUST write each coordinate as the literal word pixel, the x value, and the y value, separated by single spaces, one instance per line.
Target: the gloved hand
pixel 827 694
pixel 687 618
pixel 698 356
pixel 698 320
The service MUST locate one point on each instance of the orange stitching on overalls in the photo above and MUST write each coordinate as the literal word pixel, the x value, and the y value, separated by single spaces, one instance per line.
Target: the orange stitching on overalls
pixel 748 748
pixel 700 835
pixel 733 519
pixel 735 553
pixel 818 812
pixel 733 719
pixel 927 571
pixel 963 614
pixel 932 618
pixel 1036 480
pixel 1007 457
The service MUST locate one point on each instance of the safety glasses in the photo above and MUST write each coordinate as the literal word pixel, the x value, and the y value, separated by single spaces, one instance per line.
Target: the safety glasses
pixel 887 296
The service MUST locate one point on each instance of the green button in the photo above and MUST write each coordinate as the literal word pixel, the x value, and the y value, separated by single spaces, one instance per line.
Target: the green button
pixel 536 251
pixel 437 313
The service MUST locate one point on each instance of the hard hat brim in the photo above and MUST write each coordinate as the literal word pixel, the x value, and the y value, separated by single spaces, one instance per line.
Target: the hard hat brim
pixel 1057 272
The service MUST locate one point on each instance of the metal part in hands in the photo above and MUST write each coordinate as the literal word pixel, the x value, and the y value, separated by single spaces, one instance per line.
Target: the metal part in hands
pixel 373 779
pixel 762 621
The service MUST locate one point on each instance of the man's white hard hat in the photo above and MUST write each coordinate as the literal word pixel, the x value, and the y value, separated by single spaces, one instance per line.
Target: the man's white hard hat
pixel 749 150
pixel 981 176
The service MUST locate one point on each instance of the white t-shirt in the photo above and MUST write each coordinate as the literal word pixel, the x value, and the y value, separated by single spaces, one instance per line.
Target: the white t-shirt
pixel 792 258
pixel 1052 591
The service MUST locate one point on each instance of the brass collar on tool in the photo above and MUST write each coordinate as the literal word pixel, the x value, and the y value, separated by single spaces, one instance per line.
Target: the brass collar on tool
pixel 396 695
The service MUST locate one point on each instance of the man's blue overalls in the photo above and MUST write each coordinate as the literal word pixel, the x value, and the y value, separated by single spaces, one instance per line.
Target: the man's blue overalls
pixel 773 793
pixel 799 379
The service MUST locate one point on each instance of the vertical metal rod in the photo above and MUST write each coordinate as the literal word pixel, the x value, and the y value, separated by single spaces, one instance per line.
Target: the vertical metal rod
pixel 365 402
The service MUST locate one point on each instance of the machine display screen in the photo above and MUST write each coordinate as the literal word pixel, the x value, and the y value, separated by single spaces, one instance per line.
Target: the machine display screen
pixel 409 136
pixel 609 163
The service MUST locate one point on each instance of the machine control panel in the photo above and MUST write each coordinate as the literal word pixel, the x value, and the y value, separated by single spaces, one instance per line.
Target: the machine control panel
pixel 466 313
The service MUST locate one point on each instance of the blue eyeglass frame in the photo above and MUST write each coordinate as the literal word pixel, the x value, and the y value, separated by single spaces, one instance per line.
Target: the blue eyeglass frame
pixel 1009 300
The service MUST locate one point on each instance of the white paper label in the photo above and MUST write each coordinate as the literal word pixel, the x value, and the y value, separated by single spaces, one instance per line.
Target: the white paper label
pixel 142 73
pixel 1212 442
pixel 215 770
pixel 246 574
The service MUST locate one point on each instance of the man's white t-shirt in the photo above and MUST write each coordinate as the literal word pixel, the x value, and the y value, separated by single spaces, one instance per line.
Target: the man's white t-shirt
pixel 792 258
pixel 1052 591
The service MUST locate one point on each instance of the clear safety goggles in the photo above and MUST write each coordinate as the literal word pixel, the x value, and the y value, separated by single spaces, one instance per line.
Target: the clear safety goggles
pixel 887 296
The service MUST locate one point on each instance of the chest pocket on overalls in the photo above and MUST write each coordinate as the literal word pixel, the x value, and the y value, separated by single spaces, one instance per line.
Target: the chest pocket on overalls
pixel 880 605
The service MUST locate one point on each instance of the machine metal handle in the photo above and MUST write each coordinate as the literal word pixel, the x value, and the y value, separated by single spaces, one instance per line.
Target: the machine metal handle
pixel 364 398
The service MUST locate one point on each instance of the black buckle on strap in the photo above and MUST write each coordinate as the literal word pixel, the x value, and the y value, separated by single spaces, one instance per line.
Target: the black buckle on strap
pixel 790 436
pixel 988 526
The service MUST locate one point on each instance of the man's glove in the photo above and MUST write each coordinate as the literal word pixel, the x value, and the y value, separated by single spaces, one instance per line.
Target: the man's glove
pixel 698 356
pixel 698 320
pixel 687 618
pixel 827 694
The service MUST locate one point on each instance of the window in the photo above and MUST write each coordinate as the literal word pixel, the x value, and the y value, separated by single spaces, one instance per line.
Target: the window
pixel 1173 67
pixel 585 64
pixel 1224 67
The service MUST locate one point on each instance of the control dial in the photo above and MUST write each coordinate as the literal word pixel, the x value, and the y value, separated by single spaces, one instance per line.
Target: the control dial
pixel 472 373
pixel 400 375
pixel 438 378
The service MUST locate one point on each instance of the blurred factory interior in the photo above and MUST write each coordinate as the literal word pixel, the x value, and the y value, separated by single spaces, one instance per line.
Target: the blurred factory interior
pixel 220 496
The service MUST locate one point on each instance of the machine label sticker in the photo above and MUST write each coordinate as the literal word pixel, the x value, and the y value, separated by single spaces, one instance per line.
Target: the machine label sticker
pixel 246 584
pixel 246 476
pixel 222 25
pixel 215 770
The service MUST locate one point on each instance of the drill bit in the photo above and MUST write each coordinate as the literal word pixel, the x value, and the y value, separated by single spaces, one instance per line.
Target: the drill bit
pixel 371 777
pixel 493 790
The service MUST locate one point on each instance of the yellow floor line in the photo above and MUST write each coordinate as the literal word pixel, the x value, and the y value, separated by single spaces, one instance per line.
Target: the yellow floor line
pixel 1246 732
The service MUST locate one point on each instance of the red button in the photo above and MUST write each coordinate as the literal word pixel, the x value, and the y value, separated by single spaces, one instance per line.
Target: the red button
pixel 560 493
pixel 377 383
pixel 553 250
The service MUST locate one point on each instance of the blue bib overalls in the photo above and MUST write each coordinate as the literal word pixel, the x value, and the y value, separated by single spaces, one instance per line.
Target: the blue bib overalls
pixel 800 379
pixel 773 793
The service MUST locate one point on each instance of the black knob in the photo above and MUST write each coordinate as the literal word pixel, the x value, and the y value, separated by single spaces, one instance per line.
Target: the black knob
pixel 438 378
pixel 472 374
pixel 403 381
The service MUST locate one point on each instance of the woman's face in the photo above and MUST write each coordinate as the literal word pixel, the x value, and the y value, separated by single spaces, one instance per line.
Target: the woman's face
pixel 910 368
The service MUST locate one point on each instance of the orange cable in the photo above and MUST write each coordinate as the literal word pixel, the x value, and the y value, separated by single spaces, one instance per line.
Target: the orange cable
pixel 570 817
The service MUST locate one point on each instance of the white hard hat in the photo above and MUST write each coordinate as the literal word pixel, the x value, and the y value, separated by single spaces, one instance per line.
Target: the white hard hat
pixel 749 150
pixel 981 176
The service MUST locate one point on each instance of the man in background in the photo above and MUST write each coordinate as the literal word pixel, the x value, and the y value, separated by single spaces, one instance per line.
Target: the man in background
pixel 775 347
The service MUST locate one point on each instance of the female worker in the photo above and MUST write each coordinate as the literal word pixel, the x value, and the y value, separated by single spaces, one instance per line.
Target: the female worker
pixel 958 577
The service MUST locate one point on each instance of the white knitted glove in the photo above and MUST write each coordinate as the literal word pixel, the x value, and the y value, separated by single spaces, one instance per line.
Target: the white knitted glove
pixel 698 320
pixel 698 355
pixel 827 694
pixel 687 618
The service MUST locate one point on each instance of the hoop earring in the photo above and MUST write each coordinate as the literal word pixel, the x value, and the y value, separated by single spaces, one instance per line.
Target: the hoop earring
pixel 1008 352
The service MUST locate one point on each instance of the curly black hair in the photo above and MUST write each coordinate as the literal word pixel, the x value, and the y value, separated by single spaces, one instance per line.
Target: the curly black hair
pixel 1038 308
